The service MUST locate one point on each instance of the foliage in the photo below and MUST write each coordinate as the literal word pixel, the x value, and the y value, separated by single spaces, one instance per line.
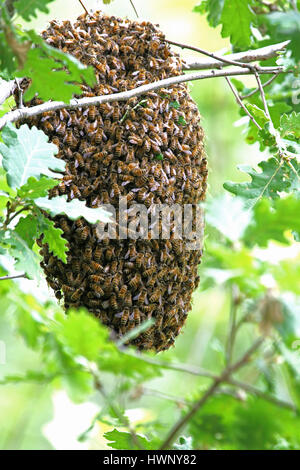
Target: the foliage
pixel 250 270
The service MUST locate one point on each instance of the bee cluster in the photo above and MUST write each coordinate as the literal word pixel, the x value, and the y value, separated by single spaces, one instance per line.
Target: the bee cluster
pixel 148 149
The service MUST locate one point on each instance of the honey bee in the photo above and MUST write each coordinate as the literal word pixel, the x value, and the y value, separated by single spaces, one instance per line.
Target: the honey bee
pixel 75 192
pixel 126 49
pixel 156 296
pixel 98 137
pixel 118 133
pixel 97 290
pixel 96 266
pixel 77 294
pixel 98 253
pixel 119 149
pixel 151 282
pixel 92 112
pixel 83 233
pixel 113 302
pixel 75 266
pixel 115 191
pixel 86 268
pixel 94 168
pixel 124 316
pixel 67 289
pixel 96 278
pixel 61 129
pixel 69 139
pixel 109 253
pixel 48 127
pixel 88 252
pixel 122 292
pixel 135 281
pixel 150 271
pixel 135 140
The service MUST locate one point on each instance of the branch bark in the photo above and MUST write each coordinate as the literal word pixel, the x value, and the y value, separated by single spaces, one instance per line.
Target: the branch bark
pixel 6 89
pixel 264 53
pixel 24 113
pixel 14 276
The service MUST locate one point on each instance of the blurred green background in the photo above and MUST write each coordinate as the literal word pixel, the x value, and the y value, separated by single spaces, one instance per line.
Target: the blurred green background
pixel 32 417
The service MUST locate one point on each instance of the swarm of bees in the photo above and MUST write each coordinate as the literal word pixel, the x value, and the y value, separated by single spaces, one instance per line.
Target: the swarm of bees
pixel 148 149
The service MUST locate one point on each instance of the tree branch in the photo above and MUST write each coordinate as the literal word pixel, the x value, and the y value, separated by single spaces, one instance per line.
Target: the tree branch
pixel 257 89
pixel 259 393
pixel 120 416
pixel 228 371
pixel 6 89
pixel 13 276
pixel 216 62
pixel 264 53
pixel 239 101
pixel 25 112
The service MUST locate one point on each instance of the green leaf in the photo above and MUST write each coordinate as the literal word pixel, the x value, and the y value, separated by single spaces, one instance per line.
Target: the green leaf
pixel 181 121
pixel 258 114
pixel 271 223
pixel 287 275
pixel 214 9
pixel 81 333
pixel 30 376
pixel 281 26
pixel 274 178
pixel 159 156
pixel 27 152
pixel 228 215
pixel 57 244
pixel 184 443
pixel 36 188
pixel 240 267
pixel 290 124
pixel 32 227
pixel 28 9
pixel 174 104
pixel 26 260
pixel 49 80
pixel 123 441
pixel 73 209
pixel 27 229
pixel 79 385
pixel 122 364
pixel 236 19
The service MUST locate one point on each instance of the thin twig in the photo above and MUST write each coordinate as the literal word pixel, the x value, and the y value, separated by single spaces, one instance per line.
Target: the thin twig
pixel 232 325
pixel 186 418
pixel 259 393
pixel 239 101
pixel 13 276
pixel 120 416
pixel 294 5
pixel 263 96
pixel 25 113
pixel 210 391
pixel 205 373
pixel 171 365
pixel 214 56
pixel 81 3
pixel 257 89
pixel 133 6
pixel 165 396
